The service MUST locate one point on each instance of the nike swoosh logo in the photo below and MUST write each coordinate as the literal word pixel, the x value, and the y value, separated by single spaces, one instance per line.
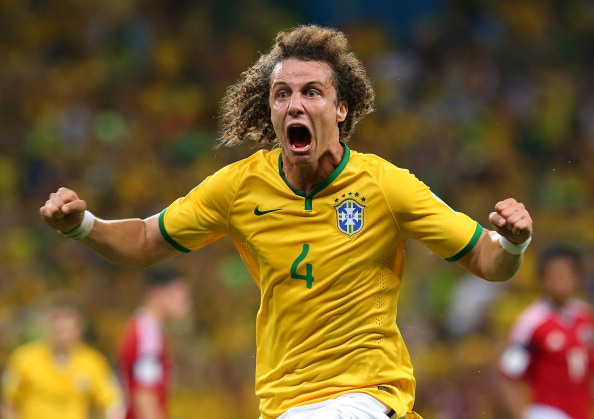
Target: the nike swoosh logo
pixel 259 213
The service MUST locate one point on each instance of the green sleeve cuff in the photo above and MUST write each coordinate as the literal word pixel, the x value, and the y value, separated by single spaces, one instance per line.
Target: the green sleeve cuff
pixel 166 235
pixel 469 246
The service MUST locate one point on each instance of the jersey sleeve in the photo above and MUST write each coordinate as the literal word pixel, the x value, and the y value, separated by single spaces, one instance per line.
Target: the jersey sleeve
pixel 12 379
pixel 147 371
pixel 105 392
pixel 514 361
pixel 423 216
pixel 200 217
pixel 144 355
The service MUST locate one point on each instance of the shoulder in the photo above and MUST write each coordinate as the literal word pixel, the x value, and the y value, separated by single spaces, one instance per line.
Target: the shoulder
pixel 402 189
pixel 373 163
pixel 260 159
pixel 529 321
pixel 227 180
pixel 30 350
pixel 144 322
pixel 388 175
pixel 581 309
pixel 140 327
pixel 149 335
pixel 87 354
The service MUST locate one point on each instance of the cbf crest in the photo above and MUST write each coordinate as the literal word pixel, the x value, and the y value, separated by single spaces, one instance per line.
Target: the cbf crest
pixel 350 216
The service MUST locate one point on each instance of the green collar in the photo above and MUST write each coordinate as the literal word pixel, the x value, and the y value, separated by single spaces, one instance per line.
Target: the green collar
pixel 308 198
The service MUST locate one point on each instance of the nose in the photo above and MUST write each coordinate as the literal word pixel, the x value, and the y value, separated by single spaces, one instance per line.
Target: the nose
pixel 295 106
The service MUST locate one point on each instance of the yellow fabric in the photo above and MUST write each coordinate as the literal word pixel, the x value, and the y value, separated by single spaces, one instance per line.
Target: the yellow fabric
pixel 40 388
pixel 412 415
pixel 337 333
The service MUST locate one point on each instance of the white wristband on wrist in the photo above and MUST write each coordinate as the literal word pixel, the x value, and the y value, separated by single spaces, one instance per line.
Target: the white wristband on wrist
pixel 83 229
pixel 514 248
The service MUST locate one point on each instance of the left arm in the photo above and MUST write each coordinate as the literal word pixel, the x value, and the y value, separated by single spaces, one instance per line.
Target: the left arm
pixel 488 259
pixel 146 404
pixel 105 392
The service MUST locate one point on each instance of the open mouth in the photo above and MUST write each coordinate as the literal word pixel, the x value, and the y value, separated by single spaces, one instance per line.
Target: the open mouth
pixel 299 137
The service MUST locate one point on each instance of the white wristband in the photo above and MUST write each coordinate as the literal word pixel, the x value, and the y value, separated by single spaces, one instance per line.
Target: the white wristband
pixel 83 229
pixel 514 248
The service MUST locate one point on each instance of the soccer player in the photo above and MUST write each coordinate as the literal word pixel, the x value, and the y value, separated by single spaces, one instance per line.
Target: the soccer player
pixel 61 377
pixel 144 358
pixel 551 346
pixel 321 228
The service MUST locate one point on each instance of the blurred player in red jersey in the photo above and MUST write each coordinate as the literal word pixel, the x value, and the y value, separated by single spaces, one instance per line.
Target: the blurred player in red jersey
pixel 145 361
pixel 551 346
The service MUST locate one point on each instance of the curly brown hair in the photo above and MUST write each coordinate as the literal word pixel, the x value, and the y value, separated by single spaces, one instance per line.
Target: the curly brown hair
pixel 245 110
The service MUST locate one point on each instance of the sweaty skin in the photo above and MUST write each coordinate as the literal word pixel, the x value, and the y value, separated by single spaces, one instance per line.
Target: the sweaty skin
pixel 302 93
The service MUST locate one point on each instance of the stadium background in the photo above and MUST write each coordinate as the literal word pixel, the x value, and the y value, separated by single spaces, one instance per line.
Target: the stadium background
pixel 117 100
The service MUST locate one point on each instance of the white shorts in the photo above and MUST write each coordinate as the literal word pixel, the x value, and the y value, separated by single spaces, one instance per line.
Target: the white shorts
pixel 541 411
pixel 347 406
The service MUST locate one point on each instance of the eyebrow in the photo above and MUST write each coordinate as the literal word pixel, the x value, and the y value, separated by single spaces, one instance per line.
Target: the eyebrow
pixel 306 85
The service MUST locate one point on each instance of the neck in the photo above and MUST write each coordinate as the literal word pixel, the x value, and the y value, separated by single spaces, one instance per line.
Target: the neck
pixel 559 302
pixel 154 311
pixel 61 353
pixel 306 177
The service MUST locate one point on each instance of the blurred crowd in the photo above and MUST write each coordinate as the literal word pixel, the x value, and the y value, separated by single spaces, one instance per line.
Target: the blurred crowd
pixel 118 100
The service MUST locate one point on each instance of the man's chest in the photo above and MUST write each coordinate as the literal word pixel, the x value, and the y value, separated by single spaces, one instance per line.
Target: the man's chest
pixel 565 341
pixel 341 214
pixel 345 229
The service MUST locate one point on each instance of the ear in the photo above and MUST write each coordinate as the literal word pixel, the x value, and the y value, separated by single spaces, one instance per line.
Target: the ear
pixel 341 111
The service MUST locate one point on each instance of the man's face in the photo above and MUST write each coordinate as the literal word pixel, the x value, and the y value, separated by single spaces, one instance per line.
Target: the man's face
pixel 560 280
pixel 177 297
pixel 65 327
pixel 305 111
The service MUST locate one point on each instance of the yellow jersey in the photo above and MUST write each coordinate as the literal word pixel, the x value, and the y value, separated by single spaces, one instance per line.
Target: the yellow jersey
pixel 39 387
pixel 329 266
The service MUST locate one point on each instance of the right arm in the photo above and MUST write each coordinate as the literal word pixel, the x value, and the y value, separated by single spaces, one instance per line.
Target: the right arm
pixel 513 364
pixel 130 242
pixel 146 404
pixel 514 397
pixel 12 388
pixel 9 411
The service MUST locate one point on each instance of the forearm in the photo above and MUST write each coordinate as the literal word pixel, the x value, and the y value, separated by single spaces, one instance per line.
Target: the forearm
pixel 490 261
pixel 513 395
pixel 146 405
pixel 117 412
pixel 9 411
pixel 129 243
